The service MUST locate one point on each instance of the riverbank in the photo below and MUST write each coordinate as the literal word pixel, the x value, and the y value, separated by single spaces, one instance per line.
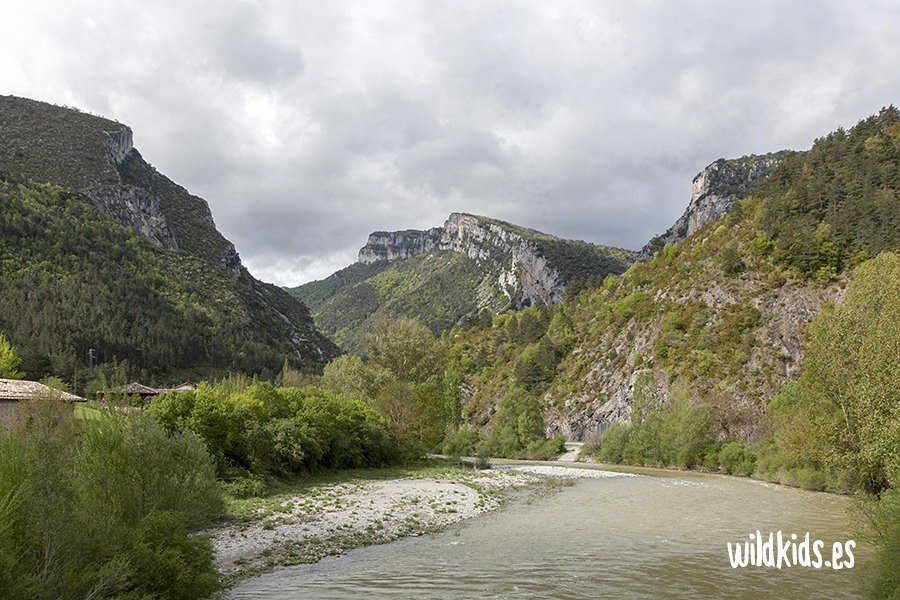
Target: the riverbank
pixel 311 521
pixel 611 536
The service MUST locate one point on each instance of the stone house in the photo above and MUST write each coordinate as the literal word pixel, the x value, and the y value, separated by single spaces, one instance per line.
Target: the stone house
pixel 13 391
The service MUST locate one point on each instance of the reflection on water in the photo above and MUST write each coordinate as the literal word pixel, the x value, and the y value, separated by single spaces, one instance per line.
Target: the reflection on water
pixel 635 537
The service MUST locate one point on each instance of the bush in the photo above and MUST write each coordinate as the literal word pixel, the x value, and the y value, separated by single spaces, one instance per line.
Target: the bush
pixel 108 515
pixel 264 429
pixel 736 458
pixel 462 443
pixel 246 487
pixel 518 424
pixel 545 449
pixel 686 434
pixel 613 443
pixel 169 564
pixel 128 467
pixel 809 479
pixel 885 521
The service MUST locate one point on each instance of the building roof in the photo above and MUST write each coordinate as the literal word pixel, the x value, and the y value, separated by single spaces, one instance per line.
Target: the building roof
pixel 139 389
pixel 18 389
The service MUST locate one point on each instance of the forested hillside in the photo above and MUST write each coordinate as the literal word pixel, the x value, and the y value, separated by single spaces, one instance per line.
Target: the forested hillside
pixel 71 279
pixel 101 252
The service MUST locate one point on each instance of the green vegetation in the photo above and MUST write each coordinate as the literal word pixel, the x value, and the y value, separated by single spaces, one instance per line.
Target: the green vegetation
pixel 108 515
pixel 316 293
pixel 842 414
pixel 9 360
pixel 435 288
pixel 33 147
pixel 404 380
pixel 257 429
pixel 73 279
pixel 839 203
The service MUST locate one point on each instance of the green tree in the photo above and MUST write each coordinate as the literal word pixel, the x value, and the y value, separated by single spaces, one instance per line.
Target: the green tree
pixel 518 428
pixel 647 412
pixel 406 372
pixel 844 410
pixel 406 348
pixel 347 375
pixel 9 360
pixel 850 376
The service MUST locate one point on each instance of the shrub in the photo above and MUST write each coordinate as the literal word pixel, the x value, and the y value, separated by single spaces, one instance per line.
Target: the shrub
pixel 613 443
pixel 735 458
pixel 462 443
pixel 246 487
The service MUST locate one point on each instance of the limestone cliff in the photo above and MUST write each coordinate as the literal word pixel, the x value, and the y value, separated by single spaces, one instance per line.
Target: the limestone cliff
pixel 118 145
pixel 135 208
pixel 519 262
pixel 714 191
pixel 398 245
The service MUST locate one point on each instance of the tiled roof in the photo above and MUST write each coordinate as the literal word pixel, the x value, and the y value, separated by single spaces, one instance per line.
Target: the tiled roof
pixel 17 389
pixel 139 389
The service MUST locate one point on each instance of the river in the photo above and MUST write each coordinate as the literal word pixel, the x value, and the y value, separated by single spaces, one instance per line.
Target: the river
pixel 661 535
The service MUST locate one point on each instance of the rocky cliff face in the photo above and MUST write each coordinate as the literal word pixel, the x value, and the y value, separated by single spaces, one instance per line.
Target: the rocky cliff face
pixel 714 191
pixel 398 245
pixel 607 388
pixel 135 208
pixel 523 273
pixel 518 266
pixel 117 145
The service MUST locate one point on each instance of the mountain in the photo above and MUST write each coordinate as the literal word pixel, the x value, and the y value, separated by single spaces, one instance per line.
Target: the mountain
pixel 715 190
pixel 101 251
pixel 718 318
pixel 444 274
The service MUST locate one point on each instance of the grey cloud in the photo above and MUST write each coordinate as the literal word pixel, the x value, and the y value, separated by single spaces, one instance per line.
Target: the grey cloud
pixel 308 125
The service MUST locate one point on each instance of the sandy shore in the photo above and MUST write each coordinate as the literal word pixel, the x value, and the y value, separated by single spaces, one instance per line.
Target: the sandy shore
pixel 329 519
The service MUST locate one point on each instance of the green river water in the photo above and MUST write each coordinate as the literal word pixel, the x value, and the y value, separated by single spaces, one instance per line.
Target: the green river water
pixel 661 535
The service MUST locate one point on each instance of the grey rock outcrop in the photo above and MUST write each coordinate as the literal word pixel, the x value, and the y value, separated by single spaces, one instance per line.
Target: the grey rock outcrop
pixel 520 270
pixel 524 274
pixel 398 245
pixel 135 208
pixel 714 192
pixel 117 145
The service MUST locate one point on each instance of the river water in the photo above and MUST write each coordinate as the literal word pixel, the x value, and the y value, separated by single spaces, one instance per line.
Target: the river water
pixel 653 536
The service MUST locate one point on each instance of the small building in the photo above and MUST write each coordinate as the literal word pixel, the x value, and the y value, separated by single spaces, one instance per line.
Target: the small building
pixel 142 392
pixel 13 391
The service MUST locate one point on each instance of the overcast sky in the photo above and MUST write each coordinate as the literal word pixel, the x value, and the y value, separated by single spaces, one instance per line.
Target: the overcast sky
pixel 307 125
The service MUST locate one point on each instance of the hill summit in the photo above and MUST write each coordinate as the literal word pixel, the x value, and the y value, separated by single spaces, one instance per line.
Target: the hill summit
pixel 444 274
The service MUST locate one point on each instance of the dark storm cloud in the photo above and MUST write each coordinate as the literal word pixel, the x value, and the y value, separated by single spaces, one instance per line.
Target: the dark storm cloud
pixel 308 125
